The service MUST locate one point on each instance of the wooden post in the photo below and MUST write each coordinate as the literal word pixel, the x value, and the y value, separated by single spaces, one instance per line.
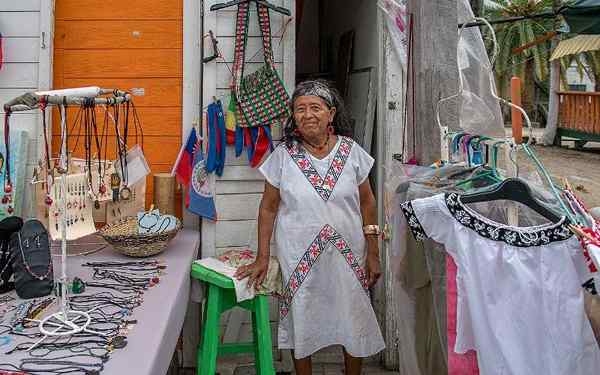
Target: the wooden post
pixel 517 133
pixel 436 74
pixel 515 115
pixel 164 193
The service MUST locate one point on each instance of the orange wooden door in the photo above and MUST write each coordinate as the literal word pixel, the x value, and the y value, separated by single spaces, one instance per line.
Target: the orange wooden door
pixel 126 44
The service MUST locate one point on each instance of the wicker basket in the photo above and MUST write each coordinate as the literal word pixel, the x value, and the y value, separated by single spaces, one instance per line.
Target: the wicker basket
pixel 125 239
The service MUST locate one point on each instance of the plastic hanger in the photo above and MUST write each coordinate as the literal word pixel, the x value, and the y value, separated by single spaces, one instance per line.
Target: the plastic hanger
pixel 265 3
pixel 516 190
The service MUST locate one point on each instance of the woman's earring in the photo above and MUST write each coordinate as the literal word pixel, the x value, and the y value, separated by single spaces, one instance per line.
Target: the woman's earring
pixel 296 132
pixel 330 129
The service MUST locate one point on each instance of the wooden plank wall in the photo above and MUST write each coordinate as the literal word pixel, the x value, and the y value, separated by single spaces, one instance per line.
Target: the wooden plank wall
pixel 25 68
pixel 133 44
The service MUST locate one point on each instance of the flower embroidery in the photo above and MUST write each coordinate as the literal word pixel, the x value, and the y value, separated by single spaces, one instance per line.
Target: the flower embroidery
pixel 323 186
pixel 329 182
pixel 413 223
pixel 327 237
pixel 304 164
pixel 314 179
pixel 521 237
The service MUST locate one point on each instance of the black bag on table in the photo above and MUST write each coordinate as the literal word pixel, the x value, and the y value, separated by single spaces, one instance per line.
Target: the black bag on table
pixel 32 261
pixel 8 226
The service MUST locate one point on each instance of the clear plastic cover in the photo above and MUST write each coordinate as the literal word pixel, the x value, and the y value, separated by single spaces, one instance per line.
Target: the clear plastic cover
pixel 479 111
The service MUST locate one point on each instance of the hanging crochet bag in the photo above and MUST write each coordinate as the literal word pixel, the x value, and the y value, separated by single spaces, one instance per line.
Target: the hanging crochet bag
pixel 261 96
pixel 32 261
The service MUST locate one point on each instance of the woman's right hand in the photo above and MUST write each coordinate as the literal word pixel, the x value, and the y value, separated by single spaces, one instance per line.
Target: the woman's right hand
pixel 256 272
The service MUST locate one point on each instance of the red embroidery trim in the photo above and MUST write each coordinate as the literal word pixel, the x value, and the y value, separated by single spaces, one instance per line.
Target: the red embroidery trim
pixel 328 236
pixel 323 185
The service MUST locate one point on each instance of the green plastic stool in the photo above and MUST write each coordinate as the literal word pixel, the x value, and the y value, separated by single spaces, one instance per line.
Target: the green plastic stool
pixel 221 297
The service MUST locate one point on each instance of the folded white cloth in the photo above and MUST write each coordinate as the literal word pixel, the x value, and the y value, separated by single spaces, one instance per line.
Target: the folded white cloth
pixel 242 292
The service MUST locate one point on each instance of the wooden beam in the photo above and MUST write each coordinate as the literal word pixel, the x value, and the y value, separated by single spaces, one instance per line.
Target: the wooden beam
pixel 515 115
pixel 539 40
pixel 435 72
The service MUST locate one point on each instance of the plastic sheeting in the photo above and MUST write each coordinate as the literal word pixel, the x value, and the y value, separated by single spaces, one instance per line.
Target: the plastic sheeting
pixel 479 111
pixel 397 26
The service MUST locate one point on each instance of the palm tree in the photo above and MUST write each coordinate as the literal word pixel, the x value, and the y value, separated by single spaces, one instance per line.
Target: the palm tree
pixel 587 64
pixel 532 63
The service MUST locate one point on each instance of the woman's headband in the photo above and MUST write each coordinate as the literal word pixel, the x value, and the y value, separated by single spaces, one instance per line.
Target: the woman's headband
pixel 315 88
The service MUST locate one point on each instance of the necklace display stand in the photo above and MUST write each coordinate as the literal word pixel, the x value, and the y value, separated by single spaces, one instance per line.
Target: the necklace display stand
pixel 66 322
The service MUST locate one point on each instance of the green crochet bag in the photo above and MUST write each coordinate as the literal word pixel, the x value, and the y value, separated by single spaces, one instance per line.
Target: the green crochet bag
pixel 261 96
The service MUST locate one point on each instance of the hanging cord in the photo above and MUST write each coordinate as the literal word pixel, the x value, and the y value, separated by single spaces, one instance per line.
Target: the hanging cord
pixel 124 171
pixel 76 127
pixel 43 105
pixel 137 126
pixel 64 141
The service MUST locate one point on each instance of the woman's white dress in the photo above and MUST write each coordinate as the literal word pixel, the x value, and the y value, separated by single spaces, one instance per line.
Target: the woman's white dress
pixel 321 249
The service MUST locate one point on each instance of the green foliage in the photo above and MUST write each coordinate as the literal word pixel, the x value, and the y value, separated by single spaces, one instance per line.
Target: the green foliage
pixel 587 64
pixel 533 60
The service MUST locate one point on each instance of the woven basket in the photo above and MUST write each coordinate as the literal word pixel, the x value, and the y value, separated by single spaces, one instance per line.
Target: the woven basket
pixel 125 239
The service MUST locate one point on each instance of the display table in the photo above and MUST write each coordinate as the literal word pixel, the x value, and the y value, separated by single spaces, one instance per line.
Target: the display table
pixel 152 341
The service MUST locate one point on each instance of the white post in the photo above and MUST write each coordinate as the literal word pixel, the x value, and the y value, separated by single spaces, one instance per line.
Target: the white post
pixel 63 223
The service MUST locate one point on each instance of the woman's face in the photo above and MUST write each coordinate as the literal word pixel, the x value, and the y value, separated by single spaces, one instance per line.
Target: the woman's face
pixel 312 115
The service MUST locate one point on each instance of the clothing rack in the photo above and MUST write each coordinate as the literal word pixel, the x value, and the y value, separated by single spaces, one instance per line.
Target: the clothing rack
pixel 32 100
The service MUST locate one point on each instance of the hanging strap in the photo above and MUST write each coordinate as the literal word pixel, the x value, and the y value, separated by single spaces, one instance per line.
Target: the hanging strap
pixel 241 41
pixel 241 38
pixel 264 21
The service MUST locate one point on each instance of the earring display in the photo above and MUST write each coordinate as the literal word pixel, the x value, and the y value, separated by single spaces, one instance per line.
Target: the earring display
pixel 78 215
pixel 116 211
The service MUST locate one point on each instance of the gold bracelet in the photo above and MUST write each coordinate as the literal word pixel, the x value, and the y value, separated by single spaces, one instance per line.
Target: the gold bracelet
pixel 371 230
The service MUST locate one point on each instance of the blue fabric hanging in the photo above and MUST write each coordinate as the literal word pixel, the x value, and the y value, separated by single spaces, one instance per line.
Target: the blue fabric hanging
pixel 215 161
pixel 239 141
pixel 201 197
pixel 211 157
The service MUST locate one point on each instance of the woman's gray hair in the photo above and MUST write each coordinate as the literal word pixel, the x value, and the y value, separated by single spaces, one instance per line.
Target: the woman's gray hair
pixel 331 96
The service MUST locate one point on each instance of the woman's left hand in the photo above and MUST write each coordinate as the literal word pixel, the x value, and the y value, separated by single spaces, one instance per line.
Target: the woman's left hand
pixel 373 268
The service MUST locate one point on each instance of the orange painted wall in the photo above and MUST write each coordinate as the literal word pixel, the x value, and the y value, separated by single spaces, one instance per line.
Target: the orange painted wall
pixel 126 44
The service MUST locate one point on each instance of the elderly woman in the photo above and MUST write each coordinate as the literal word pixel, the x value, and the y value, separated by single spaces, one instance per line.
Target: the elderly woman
pixel 318 197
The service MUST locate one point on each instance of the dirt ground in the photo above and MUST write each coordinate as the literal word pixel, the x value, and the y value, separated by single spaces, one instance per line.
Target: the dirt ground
pixel 581 168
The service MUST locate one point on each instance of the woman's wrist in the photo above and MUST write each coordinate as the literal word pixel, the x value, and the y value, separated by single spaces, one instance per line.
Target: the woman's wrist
pixel 263 256
pixel 372 246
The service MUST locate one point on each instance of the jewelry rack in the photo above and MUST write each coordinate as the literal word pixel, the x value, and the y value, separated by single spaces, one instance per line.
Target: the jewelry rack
pixel 66 322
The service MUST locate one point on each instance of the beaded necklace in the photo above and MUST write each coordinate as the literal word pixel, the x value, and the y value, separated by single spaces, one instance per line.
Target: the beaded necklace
pixel 26 264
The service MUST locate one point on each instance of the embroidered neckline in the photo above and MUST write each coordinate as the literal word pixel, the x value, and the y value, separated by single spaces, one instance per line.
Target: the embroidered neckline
pixel 515 236
pixel 323 185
